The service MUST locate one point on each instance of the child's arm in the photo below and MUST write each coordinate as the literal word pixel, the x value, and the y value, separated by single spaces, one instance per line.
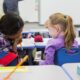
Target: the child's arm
pixel 49 56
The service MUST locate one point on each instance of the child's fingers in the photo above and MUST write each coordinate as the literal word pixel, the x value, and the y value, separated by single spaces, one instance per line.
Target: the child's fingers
pixel 19 41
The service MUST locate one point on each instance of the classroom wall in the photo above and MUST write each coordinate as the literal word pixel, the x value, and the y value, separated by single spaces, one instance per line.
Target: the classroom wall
pixel 1 8
pixel 29 10
pixel 68 7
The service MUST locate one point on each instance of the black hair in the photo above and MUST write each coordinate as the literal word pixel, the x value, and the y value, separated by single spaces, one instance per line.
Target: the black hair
pixel 37 33
pixel 10 24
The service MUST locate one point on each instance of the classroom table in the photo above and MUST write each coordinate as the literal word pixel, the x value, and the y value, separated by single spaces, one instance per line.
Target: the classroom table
pixel 50 72
pixel 40 44
pixel 27 43
pixel 33 31
pixel 25 34
pixel 71 70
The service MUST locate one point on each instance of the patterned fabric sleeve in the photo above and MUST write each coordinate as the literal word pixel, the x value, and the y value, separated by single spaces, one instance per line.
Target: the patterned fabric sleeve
pixel 4 44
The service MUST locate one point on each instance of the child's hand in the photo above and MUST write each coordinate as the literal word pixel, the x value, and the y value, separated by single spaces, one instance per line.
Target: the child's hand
pixel 19 39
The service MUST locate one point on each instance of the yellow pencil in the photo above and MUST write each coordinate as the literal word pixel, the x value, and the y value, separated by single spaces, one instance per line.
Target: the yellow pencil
pixel 18 65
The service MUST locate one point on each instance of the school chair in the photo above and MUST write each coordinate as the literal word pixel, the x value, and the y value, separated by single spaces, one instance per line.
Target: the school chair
pixel 8 59
pixel 67 56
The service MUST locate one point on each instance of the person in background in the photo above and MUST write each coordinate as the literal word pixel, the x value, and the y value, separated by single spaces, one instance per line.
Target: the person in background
pixel 29 35
pixel 61 29
pixel 11 6
pixel 38 37
pixel 11 26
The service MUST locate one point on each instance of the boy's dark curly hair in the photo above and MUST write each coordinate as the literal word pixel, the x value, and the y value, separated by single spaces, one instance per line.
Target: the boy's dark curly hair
pixel 10 24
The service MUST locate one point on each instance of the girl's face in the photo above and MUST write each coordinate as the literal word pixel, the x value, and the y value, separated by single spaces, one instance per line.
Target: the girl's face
pixel 54 30
pixel 17 37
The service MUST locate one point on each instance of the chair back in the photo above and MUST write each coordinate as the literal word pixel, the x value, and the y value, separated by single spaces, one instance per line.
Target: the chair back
pixel 67 56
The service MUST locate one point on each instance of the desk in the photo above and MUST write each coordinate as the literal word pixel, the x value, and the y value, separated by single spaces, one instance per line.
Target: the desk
pixel 51 72
pixel 27 43
pixel 40 45
pixel 43 32
pixel 27 34
pixel 71 69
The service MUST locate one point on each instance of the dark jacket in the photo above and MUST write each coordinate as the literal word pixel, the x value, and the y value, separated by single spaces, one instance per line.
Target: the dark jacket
pixel 11 6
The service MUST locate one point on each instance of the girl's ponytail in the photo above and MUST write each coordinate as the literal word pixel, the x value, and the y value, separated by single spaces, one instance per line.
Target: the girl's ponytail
pixel 69 34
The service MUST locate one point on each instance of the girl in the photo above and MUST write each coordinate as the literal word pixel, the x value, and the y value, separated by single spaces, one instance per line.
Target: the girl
pixel 61 29
pixel 11 27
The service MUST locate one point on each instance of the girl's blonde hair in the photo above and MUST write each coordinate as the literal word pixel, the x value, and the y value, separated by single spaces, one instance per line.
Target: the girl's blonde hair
pixel 66 25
